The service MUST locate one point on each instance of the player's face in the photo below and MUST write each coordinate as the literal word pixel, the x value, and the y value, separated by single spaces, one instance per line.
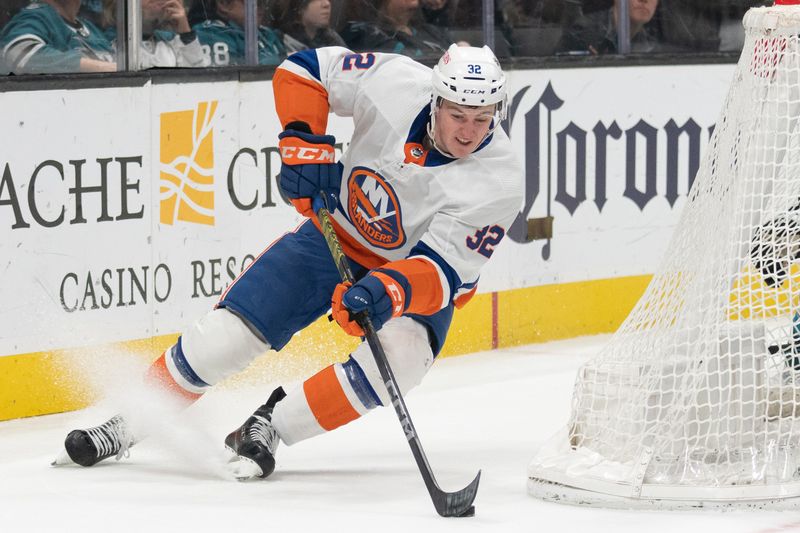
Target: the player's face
pixel 461 129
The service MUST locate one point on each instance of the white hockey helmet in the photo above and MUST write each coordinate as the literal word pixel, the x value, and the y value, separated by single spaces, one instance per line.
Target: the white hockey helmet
pixel 470 76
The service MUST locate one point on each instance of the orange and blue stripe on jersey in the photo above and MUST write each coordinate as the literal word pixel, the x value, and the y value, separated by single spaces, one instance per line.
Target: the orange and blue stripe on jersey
pixel 299 93
pixel 427 282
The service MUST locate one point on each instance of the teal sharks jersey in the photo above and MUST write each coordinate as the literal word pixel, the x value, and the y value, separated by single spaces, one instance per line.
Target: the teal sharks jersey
pixel 223 42
pixel 38 40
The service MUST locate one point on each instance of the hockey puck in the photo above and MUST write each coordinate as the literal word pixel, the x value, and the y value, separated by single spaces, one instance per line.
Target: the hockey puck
pixel 468 512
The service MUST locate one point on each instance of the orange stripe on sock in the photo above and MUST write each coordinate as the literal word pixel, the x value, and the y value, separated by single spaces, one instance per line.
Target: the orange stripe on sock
pixel 159 375
pixel 327 400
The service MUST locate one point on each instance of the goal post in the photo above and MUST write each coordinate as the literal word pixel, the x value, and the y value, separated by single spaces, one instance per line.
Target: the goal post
pixel 695 401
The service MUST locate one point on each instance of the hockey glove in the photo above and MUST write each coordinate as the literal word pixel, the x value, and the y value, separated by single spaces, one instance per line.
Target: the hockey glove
pixel 308 166
pixel 377 294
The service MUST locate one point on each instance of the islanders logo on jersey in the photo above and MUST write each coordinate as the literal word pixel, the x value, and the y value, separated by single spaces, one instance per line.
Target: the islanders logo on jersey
pixel 374 210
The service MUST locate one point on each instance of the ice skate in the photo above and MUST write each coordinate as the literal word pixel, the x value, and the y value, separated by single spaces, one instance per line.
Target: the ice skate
pixel 254 442
pixel 87 447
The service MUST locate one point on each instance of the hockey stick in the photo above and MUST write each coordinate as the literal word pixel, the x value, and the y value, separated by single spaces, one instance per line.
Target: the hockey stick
pixel 457 503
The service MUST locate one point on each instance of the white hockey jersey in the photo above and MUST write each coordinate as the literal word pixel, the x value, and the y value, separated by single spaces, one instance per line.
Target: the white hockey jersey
pixel 166 49
pixel 434 219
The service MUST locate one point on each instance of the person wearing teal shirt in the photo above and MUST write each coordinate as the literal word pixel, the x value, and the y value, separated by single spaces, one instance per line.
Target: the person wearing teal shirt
pixel 219 25
pixel 167 38
pixel 49 37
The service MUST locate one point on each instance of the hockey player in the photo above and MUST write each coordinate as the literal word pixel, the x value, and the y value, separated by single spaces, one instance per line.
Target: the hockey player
pixel 422 196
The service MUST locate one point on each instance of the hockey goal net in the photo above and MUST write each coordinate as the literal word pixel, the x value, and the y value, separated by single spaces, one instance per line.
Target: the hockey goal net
pixel 695 401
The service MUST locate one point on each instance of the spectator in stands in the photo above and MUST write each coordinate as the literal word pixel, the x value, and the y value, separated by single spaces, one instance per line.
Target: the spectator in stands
pixel 92 10
pixel 306 24
pixel 708 26
pixel 9 9
pixel 48 36
pixel 731 29
pixel 439 12
pixel 398 27
pixel 507 15
pixel 690 26
pixel 167 38
pixel 565 11
pixel 7 12
pixel 219 25
pixel 596 32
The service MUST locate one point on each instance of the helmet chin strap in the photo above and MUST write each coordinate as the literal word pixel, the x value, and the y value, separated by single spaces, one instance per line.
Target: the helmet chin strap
pixel 432 128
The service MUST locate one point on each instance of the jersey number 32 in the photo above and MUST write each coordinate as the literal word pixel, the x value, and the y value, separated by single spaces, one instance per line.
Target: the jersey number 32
pixel 485 239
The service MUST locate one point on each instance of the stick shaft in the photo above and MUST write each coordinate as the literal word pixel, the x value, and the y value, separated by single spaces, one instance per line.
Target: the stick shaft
pixel 447 504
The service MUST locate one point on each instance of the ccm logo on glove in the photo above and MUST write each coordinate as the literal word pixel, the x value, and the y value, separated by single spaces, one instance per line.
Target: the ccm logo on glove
pixel 308 169
pixel 397 296
pixel 297 154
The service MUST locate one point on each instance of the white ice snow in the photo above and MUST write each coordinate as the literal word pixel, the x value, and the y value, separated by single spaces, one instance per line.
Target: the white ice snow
pixel 487 411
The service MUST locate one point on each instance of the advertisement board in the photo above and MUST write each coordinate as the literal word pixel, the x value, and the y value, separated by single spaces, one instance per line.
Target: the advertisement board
pixel 128 215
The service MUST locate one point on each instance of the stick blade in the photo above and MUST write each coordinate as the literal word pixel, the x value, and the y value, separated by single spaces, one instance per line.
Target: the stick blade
pixel 457 504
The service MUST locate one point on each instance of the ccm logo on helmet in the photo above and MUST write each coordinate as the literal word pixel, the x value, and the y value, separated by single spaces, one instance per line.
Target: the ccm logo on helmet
pixel 474 91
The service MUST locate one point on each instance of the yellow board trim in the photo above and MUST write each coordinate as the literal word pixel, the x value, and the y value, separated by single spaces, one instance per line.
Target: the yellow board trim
pixel 552 312
pixel 48 382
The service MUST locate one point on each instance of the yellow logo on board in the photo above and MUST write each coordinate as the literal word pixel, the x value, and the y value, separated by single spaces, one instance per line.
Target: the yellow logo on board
pixel 187 165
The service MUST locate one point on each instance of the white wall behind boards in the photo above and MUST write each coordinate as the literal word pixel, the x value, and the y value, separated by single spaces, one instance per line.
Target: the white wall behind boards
pixel 125 212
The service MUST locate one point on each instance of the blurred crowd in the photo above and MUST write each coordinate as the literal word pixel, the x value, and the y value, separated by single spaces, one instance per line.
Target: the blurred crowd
pixel 48 36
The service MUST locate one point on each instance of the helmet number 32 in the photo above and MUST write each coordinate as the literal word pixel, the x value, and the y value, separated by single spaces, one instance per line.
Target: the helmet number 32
pixel 474 69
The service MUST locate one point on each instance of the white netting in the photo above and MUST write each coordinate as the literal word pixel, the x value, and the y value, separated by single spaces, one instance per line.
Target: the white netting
pixel 694 398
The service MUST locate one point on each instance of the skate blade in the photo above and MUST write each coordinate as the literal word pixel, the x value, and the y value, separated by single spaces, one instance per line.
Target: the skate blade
pixel 243 469
pixel 62 459
pixel 230 454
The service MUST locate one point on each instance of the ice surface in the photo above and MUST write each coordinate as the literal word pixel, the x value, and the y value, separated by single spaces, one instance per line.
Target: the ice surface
pixel 487 411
